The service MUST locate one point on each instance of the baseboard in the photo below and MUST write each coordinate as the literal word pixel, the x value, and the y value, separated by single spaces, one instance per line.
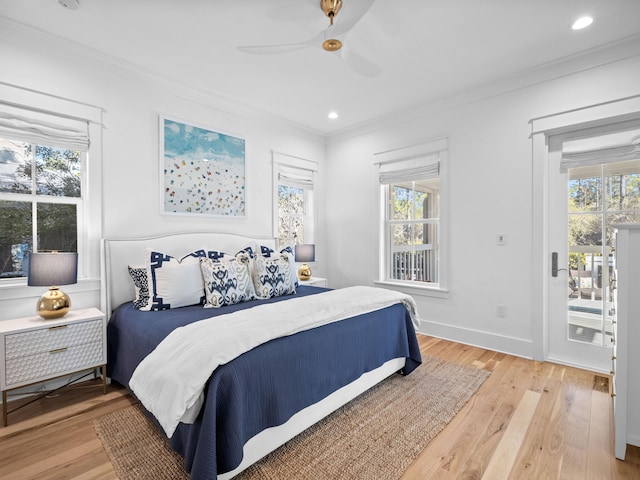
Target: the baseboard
pixel 569 363
pixel 477 338
pixel 633 440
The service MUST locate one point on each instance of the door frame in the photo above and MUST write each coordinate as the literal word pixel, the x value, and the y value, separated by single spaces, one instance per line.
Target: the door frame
pixel 542 128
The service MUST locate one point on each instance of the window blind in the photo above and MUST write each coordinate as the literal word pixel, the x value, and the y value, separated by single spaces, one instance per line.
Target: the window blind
pixel 609 147
pixel 420 168
pixel 294 171
pixel 296 177
pixel 419 161
pixel 67 133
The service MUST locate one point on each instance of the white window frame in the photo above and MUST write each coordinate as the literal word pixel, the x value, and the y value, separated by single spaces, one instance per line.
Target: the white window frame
pixel 35 198
pixel 303 173
pixel 29 103
pixel 416 157
pixel 542 128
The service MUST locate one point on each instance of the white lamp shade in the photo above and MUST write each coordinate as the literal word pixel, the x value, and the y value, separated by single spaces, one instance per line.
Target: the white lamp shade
pixel 47 269
pixel 305 253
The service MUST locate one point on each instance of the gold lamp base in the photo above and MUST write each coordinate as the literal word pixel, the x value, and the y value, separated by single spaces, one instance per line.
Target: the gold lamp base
pixel 54 304
pixel 304 273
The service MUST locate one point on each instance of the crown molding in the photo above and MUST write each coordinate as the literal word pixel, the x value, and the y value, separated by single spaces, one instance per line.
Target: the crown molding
pixel 564 67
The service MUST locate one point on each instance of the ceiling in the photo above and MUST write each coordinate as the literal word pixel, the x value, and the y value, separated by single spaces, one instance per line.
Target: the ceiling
pixel 427 50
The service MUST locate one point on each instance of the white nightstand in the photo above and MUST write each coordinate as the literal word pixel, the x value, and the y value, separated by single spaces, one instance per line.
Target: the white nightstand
pixel 33 350
pixel 315 282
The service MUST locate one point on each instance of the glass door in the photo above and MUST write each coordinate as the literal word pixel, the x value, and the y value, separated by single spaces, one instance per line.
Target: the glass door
pixel 584 203
pixel 598 196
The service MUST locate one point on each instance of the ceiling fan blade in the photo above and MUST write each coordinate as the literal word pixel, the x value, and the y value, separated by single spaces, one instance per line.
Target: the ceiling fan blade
pixel 359 64
pixel 315 41
pixel 351 13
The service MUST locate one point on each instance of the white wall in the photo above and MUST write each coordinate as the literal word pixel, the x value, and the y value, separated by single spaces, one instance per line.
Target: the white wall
pixel 490 155
pixel 490 176
pixel 132 102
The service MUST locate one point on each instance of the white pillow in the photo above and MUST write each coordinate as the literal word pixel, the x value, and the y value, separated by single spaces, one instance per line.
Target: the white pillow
pixel 227 281
pixel 173 282
pixel 272 276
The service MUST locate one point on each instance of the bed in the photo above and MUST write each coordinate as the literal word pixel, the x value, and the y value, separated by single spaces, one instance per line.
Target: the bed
pixel 255 402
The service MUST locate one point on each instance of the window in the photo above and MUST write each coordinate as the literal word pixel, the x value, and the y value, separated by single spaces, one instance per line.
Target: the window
pixel 294 181
pixel 600 196
pixel 411 229
pixel 603 170
pixel 291 208
pixel 41 193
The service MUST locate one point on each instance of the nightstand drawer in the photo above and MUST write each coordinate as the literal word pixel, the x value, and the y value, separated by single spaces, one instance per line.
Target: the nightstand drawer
pixel 46 339
pixel 54 362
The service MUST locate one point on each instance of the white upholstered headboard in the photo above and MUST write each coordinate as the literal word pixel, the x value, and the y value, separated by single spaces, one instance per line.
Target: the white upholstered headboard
pixel 116 254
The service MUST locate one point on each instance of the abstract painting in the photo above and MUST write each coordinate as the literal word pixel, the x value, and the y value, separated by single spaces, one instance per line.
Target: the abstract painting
pixel 202 171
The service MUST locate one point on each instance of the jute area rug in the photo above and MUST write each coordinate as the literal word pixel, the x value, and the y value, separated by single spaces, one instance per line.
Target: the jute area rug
pixel 377 435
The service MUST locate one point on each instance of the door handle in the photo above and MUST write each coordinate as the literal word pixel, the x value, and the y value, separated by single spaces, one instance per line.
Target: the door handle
pixel 554 264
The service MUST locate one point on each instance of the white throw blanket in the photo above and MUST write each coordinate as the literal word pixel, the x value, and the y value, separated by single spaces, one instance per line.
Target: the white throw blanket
pixel 170 380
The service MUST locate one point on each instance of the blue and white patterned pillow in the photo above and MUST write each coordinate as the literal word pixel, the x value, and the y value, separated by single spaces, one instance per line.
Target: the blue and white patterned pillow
pixel 227 281
pixel 141 284
pixel 174 282
pixel 272 276
pixel 268 252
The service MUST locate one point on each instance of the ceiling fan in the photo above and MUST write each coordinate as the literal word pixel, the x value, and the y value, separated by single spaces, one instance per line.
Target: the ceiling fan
pixel 333 38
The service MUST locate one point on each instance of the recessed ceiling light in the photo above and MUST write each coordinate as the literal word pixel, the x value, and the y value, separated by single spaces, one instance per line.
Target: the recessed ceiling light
pixel 333 115
pixel 582 22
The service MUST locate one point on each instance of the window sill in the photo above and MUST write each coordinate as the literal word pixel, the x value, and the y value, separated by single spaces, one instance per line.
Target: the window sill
pixel 426 291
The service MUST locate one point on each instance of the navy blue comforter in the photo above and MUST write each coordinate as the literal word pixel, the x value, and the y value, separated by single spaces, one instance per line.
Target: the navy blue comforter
pixel 267 385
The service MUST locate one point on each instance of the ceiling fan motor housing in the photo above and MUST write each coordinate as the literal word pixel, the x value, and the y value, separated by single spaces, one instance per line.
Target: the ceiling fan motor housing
pixel 332 45
pixel 331 8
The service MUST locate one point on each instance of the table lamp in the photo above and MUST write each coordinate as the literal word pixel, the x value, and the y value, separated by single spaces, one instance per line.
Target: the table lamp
pixel 305 253
pixel 52 269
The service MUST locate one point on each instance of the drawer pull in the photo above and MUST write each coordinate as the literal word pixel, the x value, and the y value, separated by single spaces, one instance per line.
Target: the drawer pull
pixel 613 357
pixel 59 350
pixel 58 327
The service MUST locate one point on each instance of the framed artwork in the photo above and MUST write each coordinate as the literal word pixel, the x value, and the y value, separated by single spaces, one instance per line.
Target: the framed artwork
pixel 202 171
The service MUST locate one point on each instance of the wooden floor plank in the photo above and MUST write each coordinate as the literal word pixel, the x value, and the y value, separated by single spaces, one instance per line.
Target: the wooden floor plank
pixel 101 472
pixel 498 419
pixel 541 452
pixel 599 460
pixel 578 416
pixel 505 453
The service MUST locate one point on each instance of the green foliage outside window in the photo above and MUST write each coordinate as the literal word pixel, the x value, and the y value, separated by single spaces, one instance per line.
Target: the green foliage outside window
pixel 609 198
pixel 291 212
pixel 31 175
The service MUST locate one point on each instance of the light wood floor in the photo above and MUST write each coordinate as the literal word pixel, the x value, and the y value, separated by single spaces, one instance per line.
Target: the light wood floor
pixel 529 420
